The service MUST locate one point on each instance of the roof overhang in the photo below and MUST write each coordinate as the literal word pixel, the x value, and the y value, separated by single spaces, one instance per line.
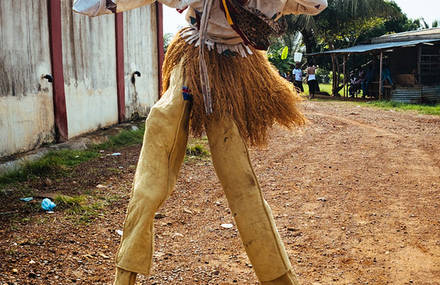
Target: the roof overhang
pixel 375 47
pixel 425 34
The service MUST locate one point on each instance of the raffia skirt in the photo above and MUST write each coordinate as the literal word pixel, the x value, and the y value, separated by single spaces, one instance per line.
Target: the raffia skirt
pixel 247 89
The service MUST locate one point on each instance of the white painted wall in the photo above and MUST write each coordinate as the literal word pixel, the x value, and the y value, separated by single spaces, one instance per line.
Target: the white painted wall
pixel 26 104
pixel 89 58
pixel 140 46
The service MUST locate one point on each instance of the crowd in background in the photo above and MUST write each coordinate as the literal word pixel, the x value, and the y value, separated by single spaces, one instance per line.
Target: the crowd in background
pixel 297 76
pixel 358 82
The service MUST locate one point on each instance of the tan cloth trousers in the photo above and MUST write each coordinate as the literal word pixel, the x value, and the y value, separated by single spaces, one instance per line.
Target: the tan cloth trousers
pixel 160 159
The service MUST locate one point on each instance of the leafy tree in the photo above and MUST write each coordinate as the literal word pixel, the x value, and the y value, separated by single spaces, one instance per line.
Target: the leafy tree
pixel 289 41
pixel 398 23
pixel 275 56
pixel 342 22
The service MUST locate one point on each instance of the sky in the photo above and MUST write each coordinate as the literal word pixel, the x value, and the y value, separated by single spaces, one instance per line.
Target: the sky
pixel 414 9
pixel 427 9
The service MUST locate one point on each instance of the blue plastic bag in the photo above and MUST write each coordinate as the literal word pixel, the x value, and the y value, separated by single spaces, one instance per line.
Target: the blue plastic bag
pixel 47 204
pixel 27 199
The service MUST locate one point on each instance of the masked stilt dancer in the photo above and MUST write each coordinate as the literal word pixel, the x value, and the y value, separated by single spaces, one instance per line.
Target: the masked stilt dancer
pixel 218 81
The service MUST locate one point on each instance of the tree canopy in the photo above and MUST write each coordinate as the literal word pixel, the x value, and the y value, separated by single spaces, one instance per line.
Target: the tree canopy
pixel 344 23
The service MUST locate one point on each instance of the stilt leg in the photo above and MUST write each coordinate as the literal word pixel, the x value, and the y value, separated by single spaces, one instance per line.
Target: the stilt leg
pixel 162 154
pixel 251 212
pixel 124 277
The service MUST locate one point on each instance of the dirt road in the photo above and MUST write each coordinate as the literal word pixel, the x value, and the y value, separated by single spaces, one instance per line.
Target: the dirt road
pixel 355 194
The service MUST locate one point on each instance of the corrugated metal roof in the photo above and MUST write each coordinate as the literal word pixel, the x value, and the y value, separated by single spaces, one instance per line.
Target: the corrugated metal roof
pixel 381 46
pixel 426 34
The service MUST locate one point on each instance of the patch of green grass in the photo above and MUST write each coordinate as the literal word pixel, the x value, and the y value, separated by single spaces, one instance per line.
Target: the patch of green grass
pixel 59 162
pixel 124 138
pixel 25 220
pixel 53 163
pixel 110 199
pixel 197 149
pixel 114 170
pixel 81 208
pixel 84 208
pixel 75 203
pixel 90 212
pixel 420 108
pixel 322 87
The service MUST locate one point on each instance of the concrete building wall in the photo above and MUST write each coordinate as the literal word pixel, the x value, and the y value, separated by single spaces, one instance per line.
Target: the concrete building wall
pixel 140 55
pixel 89 58
pixel 89 65
pixel 26 105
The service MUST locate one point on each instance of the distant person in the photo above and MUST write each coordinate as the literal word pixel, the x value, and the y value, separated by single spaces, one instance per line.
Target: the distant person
pixel 311 81
pixel 298 76
pixel 362 75
pixel 386 75
pixel 289 76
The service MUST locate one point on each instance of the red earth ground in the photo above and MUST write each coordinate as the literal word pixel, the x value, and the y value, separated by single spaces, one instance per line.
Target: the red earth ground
pixel 355 194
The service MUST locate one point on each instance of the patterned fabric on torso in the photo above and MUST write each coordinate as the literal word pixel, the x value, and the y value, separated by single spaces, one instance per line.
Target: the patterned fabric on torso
pixel 219 30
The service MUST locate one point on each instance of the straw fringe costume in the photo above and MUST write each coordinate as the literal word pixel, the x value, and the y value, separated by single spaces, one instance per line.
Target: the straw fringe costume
pixel 248 96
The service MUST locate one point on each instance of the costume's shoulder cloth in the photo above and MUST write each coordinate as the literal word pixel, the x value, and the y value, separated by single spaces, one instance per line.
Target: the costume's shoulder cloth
pixel 308 7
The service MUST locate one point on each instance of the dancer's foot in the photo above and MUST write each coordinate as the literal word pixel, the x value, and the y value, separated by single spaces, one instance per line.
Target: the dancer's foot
pixel 124 277
pixel 287 279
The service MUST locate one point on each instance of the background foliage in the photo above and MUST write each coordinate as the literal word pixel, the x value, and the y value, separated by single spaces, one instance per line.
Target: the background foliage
pixel 343 24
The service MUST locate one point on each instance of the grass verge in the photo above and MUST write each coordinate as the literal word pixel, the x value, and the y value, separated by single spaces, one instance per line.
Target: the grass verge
pixel 420 108
pixel 59 162
pixel 52 164
pixel 124 138
pixel 83 208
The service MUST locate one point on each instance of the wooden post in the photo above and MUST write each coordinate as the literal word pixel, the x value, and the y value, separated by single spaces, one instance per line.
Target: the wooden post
pixel 56 54
pixel 337 74
pixel 120 80
pixel 380 75
pixel 344 71
pixel 419 64
pixel 347 80
pixel 333 75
